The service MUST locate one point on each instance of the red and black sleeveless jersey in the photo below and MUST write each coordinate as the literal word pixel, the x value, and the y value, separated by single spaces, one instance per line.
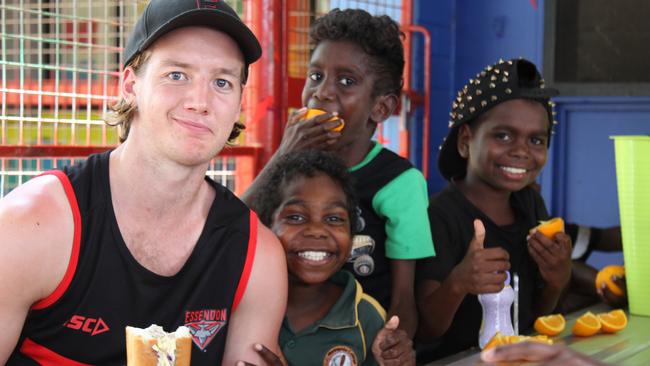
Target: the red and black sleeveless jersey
pixel 105 289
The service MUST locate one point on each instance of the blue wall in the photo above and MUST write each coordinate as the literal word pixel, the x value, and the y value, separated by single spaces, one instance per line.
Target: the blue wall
pixel 467 35
pixel 439 17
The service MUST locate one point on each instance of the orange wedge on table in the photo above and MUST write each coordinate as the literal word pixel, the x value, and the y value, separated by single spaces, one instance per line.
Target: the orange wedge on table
pixel 550 325
pixel 586 325
pixel 613 321
pixel 499 340
pixel 550 227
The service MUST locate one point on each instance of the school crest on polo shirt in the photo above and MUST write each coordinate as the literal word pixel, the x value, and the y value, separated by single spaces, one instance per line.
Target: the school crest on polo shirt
pixel 205 324
pixel 340 356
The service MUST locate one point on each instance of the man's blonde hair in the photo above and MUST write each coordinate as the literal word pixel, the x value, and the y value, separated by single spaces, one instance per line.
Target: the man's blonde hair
pixel 121 113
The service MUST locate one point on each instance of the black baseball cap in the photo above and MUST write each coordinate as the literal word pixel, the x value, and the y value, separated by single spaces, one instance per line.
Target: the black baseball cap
pixel 162 16
pixel 498 83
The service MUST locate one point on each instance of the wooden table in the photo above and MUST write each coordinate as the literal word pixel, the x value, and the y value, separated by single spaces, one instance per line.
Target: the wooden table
pixel 629 347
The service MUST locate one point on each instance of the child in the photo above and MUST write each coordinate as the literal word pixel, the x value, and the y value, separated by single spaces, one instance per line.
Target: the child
pixel 355 73
pixel 309 204
pixel 497 145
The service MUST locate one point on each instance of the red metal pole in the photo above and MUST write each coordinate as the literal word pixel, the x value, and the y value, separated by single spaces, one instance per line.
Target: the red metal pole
pixel 265 112
pixel 407 20
pixel 427 94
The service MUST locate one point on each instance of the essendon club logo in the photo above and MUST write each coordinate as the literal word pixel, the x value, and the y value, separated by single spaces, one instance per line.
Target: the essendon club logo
pixel 205 324
pixel 92 326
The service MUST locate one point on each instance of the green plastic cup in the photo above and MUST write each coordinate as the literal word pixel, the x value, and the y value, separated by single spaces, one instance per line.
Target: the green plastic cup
pixel 633 180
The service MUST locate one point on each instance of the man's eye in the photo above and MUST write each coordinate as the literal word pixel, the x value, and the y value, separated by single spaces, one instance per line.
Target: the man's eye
pixel 176 76
pixel 223 84
pixel 315 76
pixel 347 81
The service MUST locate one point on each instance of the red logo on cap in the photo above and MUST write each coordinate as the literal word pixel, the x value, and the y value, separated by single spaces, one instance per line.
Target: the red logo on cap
pixel 208 4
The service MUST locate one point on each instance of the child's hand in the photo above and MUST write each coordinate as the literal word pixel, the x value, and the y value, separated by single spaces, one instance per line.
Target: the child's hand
pixel 553 256
pixel 613 300
pixel 312 133
pixel 270 358
pixel 392 346
pixel 482 270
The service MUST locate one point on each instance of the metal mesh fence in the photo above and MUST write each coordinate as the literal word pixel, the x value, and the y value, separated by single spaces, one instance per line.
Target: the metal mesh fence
pixel 60 65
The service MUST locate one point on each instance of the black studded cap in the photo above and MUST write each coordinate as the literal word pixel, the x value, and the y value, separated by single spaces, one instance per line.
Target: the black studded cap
pixel 498 83
pixel 162 16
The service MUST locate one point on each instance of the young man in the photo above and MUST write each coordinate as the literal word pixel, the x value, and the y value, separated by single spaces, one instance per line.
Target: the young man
pixel 139 235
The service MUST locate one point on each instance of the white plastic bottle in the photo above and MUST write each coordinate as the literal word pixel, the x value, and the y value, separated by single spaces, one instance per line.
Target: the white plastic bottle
pixel 496 313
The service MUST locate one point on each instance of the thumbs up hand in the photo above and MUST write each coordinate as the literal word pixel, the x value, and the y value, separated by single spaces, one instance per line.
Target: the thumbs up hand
pixel 392 346
pixel 481 270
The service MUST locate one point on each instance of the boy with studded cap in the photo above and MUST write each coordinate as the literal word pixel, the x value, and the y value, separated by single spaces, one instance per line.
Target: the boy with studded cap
pixel 497 144
pixel 138 235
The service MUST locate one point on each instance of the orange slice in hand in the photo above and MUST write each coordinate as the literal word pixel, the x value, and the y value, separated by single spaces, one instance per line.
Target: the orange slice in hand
pixel 550 325
pixel 313 112
pixel 551 227
pixel 586 325
pixel 613 321
pixel 605 276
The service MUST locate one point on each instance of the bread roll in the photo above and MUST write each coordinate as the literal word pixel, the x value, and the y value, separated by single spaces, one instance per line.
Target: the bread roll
pixel 155 347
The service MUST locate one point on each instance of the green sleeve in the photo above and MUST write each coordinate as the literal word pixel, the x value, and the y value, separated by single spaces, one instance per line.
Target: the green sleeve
pixel 403 202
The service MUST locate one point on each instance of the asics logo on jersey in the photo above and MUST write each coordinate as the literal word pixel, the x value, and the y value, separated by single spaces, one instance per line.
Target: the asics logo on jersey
pixel 92 326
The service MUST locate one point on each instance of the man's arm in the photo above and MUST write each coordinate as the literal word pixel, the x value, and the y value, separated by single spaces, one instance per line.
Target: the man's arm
pixel 36 234
pixel 259 314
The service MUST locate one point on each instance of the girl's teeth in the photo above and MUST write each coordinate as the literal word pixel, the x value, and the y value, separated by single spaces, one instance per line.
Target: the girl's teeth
pixel 513 170
pixel 313 255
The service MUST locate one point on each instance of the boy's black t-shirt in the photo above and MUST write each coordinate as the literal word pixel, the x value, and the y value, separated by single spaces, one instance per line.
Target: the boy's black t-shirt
pixel 451 216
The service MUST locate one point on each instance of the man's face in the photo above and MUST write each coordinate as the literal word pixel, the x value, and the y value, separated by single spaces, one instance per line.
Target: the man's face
pixel 189 95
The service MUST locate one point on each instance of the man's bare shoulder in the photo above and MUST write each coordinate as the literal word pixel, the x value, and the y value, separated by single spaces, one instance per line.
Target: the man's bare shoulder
pixel 36 232
pixel 259 315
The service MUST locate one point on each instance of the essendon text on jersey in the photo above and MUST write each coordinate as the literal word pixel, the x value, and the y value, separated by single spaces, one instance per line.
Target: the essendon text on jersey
pixel 205 324
pixel 206 314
